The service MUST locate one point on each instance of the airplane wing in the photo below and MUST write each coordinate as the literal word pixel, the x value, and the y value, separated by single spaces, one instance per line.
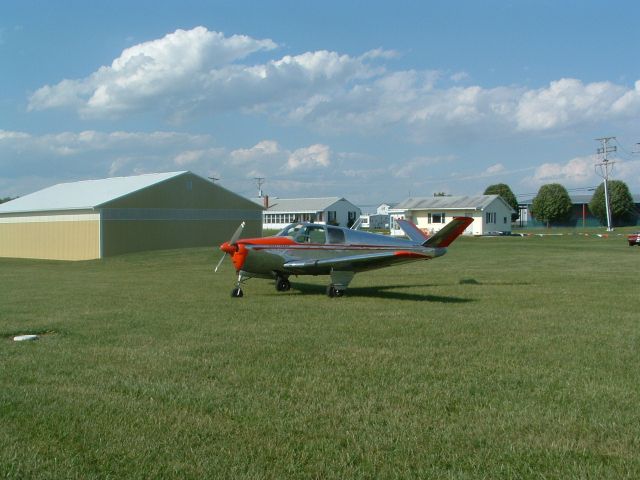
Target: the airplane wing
pixel 367 261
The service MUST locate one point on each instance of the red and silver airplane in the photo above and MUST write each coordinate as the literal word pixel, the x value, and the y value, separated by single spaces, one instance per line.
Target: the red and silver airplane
pixel 316 249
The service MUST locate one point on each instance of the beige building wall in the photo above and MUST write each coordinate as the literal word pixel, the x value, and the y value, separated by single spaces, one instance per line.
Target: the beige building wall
pixel 421 219
pixel 65 236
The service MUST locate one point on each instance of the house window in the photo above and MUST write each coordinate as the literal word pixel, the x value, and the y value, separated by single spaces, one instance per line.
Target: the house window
pixel 436 218
pixel 490 217
pixel 331 216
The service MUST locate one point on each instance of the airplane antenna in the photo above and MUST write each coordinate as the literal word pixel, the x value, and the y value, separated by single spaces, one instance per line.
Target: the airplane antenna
pixel 604 169
pixel 259 182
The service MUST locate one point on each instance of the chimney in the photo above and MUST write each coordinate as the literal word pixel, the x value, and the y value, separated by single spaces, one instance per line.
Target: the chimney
pixel 265 201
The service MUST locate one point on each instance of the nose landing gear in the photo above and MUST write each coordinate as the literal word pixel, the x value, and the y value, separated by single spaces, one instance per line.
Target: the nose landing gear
pixel 237 291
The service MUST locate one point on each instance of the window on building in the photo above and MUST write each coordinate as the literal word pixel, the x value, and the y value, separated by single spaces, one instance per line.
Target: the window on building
pixel 436 218
pixel 490 217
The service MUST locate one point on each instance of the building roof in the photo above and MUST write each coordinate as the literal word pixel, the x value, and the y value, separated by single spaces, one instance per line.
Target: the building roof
pixel 85 194
pixel 477 202
pixel 301 205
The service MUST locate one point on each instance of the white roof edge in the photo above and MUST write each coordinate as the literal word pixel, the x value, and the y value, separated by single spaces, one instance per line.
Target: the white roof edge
pixel 84 194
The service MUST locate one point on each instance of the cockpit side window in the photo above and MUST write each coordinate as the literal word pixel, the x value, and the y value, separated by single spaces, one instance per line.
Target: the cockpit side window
pixel 335 235
pixel 310 234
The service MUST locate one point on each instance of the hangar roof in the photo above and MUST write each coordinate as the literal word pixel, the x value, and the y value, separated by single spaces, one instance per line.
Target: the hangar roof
pixel 85 194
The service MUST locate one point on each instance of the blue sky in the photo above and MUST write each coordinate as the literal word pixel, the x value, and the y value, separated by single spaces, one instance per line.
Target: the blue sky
pixel 374 101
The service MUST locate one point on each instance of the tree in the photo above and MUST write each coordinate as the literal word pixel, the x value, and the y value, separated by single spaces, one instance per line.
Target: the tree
pixel 552 204
pixel 507 195
pixel 620 201
pixel 5 199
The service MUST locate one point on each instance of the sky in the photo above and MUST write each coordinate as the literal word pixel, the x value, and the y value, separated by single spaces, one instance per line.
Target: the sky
pixel 374 101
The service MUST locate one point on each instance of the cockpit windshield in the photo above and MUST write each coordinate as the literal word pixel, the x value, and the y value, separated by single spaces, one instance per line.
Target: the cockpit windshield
pixel 305 233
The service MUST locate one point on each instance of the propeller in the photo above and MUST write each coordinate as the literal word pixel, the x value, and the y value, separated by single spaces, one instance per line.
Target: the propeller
pixel 227 247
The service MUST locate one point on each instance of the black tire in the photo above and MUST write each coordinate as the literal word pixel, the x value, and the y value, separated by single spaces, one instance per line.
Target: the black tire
pixel 334 292
pixel 282 284
pixel 237 293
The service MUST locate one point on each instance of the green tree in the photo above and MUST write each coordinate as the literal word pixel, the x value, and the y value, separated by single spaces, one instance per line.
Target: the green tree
pixel 552 204
pixel 507 195
pixel 620 201
pixel 5 199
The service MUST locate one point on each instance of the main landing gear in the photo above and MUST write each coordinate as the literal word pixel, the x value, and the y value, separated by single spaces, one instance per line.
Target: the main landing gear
pixel 282 284
pixel 334 292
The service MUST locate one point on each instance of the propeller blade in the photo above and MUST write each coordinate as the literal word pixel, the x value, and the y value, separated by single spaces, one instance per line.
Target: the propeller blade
pixel 219 263
pixel 237 234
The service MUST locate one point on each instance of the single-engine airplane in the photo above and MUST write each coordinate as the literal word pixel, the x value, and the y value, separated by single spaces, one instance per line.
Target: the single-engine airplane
pixel 315 249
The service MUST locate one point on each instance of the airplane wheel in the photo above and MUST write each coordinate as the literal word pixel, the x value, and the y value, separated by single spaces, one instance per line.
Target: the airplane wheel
pixel 237 292
pixel 282 284
pixel 334 292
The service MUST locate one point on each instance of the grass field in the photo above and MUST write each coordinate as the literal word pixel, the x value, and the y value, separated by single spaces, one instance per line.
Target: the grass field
pixel 507 358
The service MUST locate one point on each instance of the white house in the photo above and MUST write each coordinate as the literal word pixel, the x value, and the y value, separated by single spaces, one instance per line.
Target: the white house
pixel 378 220
pixel 490 213
pixel 280 212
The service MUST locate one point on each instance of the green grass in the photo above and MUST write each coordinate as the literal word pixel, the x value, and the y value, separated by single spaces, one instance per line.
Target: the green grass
pixel 507 358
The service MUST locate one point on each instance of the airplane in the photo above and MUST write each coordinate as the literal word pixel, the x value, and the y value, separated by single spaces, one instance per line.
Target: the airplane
pixel 304 248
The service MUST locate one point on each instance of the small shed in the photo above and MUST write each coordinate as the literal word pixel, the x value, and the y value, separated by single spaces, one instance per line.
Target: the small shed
pixel 490 213
pixel 99 218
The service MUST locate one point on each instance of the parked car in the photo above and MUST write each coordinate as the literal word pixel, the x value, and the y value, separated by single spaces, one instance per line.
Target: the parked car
pixel 634 239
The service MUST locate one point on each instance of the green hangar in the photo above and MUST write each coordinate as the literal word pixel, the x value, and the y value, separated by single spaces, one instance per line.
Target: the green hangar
pixel 100 218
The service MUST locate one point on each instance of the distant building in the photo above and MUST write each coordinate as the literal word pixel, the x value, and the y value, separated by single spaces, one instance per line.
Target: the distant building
pixel 378 220
pixel 280 212
pixel 581 216
pixel 98 218
pixel 490 213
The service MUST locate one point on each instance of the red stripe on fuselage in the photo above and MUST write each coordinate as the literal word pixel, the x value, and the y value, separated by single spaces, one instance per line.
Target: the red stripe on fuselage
pixel 407 254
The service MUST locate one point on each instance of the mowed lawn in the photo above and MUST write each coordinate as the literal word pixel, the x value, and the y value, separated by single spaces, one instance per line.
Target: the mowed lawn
pixel 506 358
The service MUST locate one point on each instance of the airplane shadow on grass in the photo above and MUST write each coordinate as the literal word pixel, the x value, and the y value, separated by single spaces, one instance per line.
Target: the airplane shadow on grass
pixel 385 291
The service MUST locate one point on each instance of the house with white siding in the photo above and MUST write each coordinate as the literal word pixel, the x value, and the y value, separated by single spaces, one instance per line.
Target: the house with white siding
pixel 280 212
pixel 490 213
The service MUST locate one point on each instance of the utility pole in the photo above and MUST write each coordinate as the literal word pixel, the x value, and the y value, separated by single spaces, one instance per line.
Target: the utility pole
pixel 259 182
pixel 603 169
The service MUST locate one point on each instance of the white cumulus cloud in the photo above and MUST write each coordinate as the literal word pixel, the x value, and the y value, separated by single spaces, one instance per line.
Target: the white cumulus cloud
pixel 257 153
pixel 310 157
pixel 149 71
pixel 578 171
pixel 568 101
pixel 202 72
